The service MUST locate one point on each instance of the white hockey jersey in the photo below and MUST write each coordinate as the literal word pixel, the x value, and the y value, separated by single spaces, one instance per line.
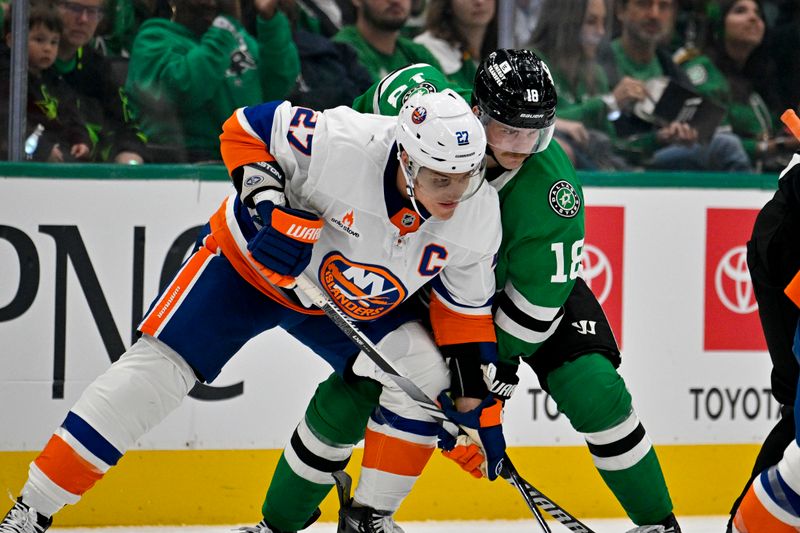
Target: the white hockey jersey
pixel 341 165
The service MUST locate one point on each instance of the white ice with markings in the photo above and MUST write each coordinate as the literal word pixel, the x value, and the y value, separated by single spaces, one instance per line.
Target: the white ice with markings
pixel 705 524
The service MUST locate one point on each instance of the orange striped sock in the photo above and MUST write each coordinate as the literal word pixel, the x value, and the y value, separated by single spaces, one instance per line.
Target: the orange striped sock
pixel 394 455
pixel 753 517
pixel 64 467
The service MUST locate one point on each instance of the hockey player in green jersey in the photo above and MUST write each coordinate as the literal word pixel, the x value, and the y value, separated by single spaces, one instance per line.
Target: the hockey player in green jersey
pixel 541 295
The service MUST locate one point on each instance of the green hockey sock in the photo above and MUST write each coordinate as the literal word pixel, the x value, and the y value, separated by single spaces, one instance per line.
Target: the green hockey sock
pixel 334 422
pixel 641 490
pixel 593 396
pixel 291 500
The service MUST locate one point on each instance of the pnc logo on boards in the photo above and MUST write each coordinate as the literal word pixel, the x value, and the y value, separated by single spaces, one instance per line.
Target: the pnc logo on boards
pixel 731 320
pixel 362 291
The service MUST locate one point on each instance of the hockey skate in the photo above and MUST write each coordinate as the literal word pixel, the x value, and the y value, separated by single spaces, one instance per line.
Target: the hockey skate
pixel 24 519
pixel 353 519
pixel 669 525
pixel 265 527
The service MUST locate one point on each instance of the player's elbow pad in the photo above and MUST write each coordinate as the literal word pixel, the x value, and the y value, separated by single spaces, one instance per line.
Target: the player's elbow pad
pixel 257 182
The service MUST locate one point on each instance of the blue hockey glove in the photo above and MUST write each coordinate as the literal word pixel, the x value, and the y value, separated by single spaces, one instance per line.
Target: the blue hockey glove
pixel 481 450
pixel 283 246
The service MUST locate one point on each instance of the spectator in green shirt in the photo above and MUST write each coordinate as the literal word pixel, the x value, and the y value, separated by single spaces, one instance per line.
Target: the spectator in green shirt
pixel 189 73
pixel 460 33
pixel 739 72
pixel 638 54
pixel 101 99
pixel 584 98
pixel 377 40
pixel 51 105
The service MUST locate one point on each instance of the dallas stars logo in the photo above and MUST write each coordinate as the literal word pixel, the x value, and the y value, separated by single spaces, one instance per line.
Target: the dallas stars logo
pixel 423 88
pixel 564 199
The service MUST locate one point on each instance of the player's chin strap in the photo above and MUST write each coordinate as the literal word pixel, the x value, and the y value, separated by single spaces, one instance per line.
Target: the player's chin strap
pixel 410 176
pixel 533 498
pixel 410 190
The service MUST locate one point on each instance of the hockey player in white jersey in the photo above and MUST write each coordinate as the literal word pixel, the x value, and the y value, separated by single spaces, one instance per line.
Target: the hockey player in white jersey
pixel 370 208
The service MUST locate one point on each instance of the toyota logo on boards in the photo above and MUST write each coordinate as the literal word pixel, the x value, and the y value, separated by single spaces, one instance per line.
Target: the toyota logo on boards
pixel 730 320
pixel 597 272
pixel 603 261
pixel 732 282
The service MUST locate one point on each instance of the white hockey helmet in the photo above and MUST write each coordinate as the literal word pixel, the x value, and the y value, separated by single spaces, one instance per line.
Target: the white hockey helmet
pixel 439 131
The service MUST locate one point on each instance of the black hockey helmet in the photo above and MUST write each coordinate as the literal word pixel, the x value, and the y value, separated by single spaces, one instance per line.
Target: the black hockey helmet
pixel 514 87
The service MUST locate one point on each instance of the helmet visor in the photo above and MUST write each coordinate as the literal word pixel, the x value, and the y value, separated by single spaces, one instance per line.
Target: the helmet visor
pixel 504 138
pixel 447 187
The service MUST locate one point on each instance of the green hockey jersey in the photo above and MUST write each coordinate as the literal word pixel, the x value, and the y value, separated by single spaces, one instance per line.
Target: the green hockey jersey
pixel 542 211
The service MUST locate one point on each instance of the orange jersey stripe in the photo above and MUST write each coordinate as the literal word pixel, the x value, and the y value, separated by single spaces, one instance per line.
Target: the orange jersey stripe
pixel 393 455
pixel 227 243
pixel 161 312
pixel 753 517
pixel 238 147
pixel 793 289
pixel 59 462
pixel 450 327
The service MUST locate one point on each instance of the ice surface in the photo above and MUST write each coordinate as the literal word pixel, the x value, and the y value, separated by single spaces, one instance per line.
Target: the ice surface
pixel 706 524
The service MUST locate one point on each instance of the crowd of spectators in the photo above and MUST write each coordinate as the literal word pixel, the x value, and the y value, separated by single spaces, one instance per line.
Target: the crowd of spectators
pixel 140 81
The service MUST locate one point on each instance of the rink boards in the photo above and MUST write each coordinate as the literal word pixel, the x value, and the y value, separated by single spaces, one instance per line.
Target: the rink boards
pixel 83 251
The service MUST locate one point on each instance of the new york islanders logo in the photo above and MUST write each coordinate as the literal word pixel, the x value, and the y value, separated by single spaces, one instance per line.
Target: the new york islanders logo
pixel 362 291
pixel 419 115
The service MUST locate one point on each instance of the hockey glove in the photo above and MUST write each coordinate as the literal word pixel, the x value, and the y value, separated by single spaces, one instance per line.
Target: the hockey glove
pixel 480 452
pixel 283 245
pixel 501 379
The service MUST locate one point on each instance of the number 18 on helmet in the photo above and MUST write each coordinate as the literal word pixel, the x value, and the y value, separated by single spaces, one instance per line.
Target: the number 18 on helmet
pixel 516 99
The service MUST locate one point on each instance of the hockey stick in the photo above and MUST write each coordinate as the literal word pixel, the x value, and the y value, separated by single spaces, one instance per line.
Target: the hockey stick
pixel 536 499
pixel 530 494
